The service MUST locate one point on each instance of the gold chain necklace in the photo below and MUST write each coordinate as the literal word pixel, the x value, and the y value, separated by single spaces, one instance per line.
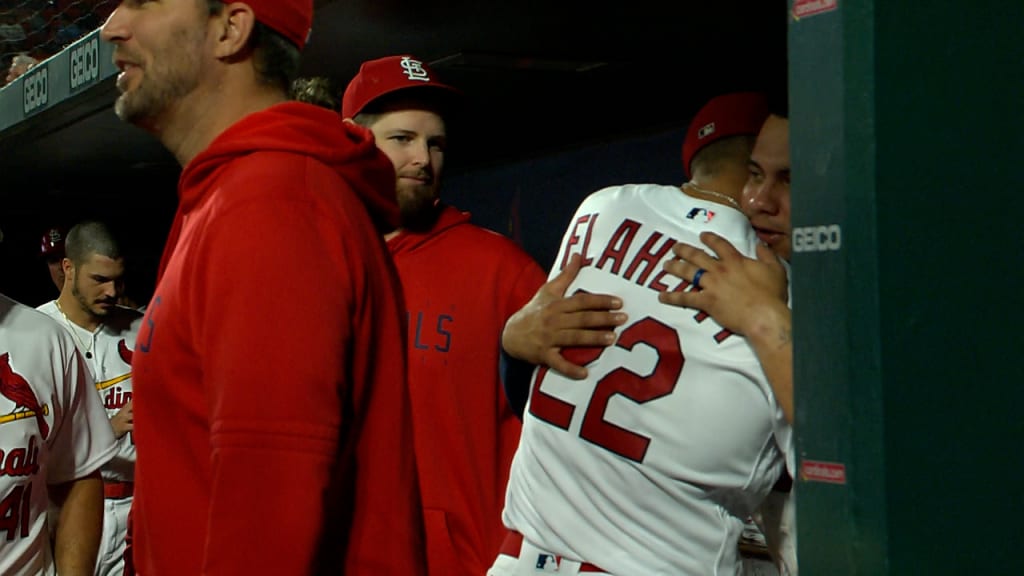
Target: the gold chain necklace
pixel 74 333
pixel 728 199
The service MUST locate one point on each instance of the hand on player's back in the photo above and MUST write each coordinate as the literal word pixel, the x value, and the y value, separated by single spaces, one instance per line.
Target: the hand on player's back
pixel 735 290
pixel 550 321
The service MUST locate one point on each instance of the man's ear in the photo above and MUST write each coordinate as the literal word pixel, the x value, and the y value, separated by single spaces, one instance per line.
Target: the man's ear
pixel 234 26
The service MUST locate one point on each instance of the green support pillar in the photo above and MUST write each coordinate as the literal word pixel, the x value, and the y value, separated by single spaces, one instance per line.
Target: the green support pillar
pixel 907 136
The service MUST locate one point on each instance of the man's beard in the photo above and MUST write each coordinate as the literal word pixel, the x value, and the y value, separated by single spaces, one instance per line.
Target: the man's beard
pixel 95 315
pixel 162 83
pixel 418 210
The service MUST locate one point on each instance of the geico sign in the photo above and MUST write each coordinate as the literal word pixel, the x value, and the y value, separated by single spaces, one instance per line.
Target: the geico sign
pixel 36 89
pixel 85 63
pixel 817 238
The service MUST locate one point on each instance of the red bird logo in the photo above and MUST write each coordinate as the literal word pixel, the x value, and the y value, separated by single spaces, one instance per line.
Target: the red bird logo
pixel 125 353
pixel 17 390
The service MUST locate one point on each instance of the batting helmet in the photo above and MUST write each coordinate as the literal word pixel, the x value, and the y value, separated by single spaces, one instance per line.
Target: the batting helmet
pixel 52 244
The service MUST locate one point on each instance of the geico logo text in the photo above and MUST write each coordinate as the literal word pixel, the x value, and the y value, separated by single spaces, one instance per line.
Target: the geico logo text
pixel 817 238
pixel 35 89
pixel 85 63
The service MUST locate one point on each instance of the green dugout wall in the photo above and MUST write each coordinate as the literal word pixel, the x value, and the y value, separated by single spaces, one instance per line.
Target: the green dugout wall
pixel 907 132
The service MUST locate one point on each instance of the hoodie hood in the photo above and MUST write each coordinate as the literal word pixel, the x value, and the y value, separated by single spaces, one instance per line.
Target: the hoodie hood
pixel 406 241
pixel 301 129
pixel 311 131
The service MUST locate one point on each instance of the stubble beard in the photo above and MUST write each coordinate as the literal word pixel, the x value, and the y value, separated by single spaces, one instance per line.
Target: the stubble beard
pixel 84 303
pixel 172 76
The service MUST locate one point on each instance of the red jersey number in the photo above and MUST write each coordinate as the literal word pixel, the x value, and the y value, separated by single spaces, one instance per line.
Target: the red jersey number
pixel 14 513
pixel 620 381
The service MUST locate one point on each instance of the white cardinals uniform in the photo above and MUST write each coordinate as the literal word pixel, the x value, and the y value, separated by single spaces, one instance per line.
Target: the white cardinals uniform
pixel 53 430
pixel 652 464
pixel 108 352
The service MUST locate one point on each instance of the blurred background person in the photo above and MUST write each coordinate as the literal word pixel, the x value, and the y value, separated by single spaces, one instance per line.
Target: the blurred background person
pixel 20 64
pixel 51 249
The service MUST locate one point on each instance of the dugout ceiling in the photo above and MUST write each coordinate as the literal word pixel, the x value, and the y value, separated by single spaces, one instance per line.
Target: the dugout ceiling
pixel 540 76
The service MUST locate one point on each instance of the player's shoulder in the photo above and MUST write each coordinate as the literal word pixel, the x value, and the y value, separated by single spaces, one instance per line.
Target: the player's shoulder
pixel 29 324
pixel 644 201
pixel 126 314
pixel 478 239
pixel 261 175
pixel 628 191
pixel 271 175
pixel 48 307
pixel 123 319
pixel 475 249
pixel 18 314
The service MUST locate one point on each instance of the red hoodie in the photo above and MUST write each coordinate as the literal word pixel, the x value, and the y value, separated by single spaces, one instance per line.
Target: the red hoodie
pixel 272 418
pixel 461 283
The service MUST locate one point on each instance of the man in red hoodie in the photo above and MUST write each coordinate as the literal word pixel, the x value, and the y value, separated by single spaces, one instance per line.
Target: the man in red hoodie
pixel 272 416
pixel 461 283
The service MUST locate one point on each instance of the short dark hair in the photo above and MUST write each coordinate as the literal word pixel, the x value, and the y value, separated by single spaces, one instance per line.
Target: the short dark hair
pixel 88 238
pixel 719 155
pixel 276 58
pixel 317 90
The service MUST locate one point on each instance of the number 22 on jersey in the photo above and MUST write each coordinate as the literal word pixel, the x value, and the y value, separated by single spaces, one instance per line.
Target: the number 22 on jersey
pixel 621 381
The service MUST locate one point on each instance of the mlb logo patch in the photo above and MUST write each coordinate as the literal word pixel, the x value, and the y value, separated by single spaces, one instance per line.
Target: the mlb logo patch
pixel 701 215
pixel 705 131
pixel 546 563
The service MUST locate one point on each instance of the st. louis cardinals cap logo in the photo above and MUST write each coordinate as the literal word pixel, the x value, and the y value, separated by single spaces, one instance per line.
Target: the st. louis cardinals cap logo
pixel 414 70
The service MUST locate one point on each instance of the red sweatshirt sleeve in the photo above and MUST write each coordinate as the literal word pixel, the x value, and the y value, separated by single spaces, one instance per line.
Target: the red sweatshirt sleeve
pixel 274 323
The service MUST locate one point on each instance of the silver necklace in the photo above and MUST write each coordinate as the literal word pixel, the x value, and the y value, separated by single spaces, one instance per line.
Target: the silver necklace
pixel 74 333
pixel 728 199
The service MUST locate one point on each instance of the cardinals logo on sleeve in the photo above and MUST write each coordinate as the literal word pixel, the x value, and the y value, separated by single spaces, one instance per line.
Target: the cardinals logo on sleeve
pixel 16 389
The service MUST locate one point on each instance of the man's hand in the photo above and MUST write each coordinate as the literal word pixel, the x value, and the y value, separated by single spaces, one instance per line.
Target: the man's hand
pixel 746 296
pixel 735 290
pixel 550 321
pixel 123 422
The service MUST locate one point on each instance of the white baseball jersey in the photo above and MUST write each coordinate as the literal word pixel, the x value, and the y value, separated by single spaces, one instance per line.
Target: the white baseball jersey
pixel 108 354
pixel 652 464
pixel 53 430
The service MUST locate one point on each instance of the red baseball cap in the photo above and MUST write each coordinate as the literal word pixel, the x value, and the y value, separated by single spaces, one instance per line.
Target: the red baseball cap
pixel 291 18
pixel 52 243
pixel 732 114
pixel 388 75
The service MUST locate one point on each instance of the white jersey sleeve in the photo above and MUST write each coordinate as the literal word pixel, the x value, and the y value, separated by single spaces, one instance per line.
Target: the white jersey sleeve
pixel 83 440
pixel 652 464
pixel 53 430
